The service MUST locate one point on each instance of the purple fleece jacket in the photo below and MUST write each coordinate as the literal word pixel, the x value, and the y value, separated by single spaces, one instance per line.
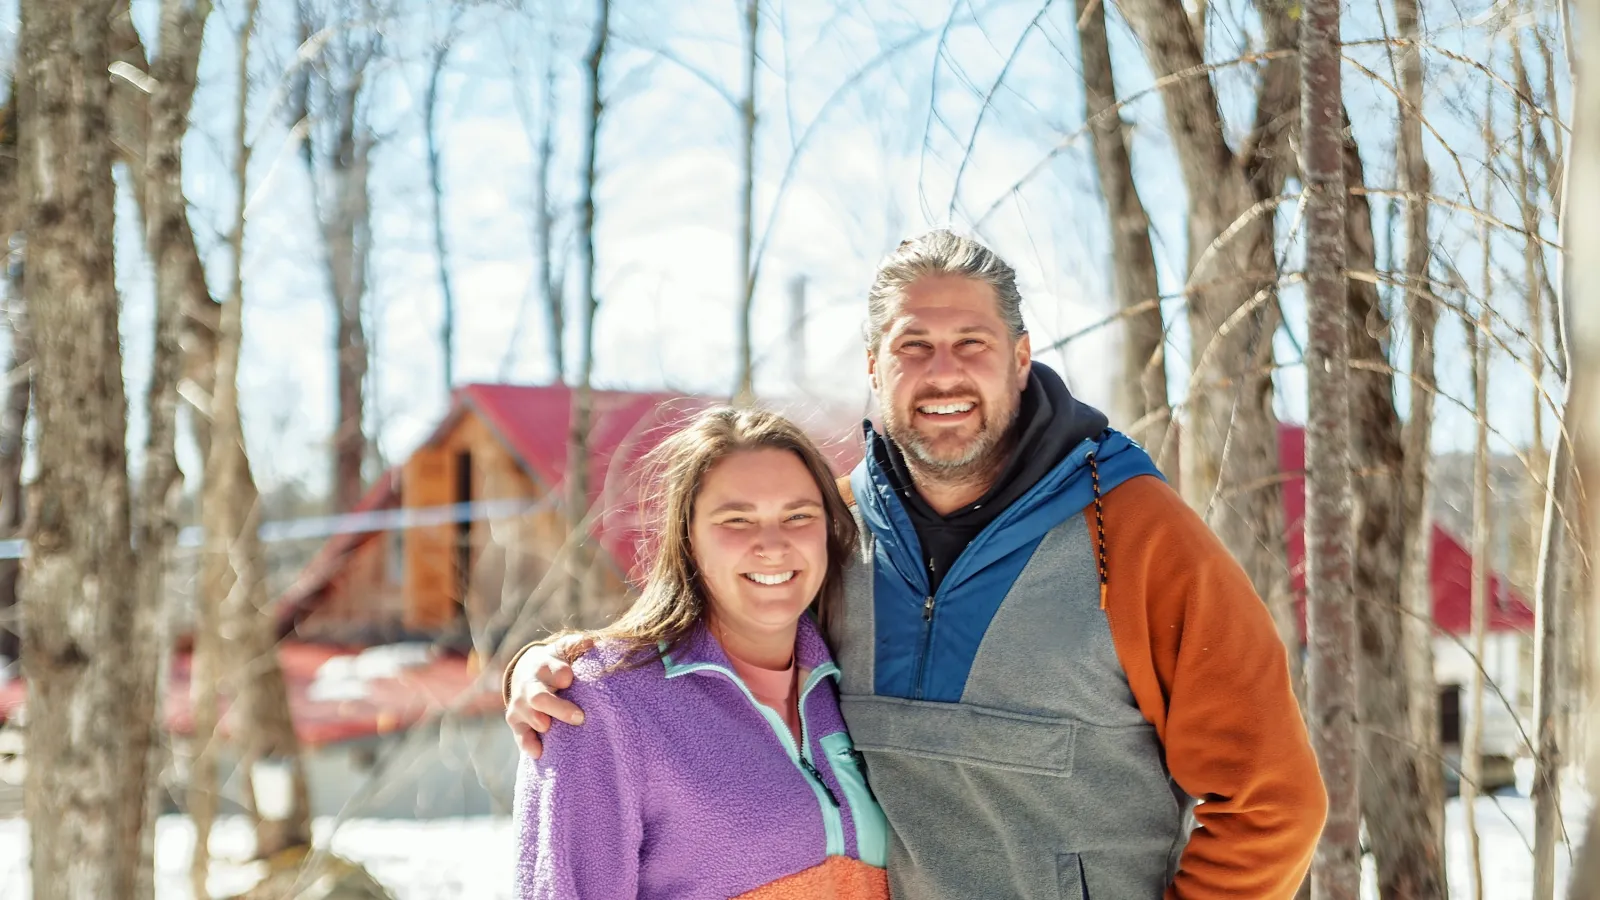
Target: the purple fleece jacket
pixel 680 785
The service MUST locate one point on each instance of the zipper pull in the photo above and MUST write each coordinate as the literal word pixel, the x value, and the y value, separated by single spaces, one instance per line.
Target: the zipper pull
pixel 812 770
pixel 927 609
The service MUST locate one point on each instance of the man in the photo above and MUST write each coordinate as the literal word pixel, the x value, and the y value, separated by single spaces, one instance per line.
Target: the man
pixel 1046 655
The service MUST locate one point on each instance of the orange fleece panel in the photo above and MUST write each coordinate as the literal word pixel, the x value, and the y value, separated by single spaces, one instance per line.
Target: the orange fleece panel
pixel 837 878
pixel 1208 670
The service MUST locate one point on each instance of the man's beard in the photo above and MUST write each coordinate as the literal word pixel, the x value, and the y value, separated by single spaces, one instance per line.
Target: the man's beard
pixel 980 459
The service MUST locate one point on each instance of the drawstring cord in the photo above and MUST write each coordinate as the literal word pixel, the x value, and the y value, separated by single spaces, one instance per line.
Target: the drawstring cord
pixel 1099 526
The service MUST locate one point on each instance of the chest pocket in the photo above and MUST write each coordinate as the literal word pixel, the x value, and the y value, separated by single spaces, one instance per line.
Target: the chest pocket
pixel 963 734
pixel 872 829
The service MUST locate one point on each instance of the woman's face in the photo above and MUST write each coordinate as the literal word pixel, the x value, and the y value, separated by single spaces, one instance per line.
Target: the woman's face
pixel 760 540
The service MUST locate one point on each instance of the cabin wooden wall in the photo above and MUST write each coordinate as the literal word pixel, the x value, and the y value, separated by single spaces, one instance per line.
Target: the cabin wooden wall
pixel 411 582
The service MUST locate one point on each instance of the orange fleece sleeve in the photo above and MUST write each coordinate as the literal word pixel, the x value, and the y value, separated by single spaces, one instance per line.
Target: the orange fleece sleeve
pixel 1209 671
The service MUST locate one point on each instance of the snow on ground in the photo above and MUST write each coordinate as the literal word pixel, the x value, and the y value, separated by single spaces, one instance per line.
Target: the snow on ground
pixel 440 859
pixel 455 859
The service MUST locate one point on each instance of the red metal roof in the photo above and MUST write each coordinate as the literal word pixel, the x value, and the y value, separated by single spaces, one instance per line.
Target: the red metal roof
pixel 387 704
pixel 533 421
pixel 1450 562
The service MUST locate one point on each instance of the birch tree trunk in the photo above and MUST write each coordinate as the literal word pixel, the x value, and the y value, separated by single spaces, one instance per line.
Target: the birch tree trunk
pixel 79 592
pixel 1330 602
pixel 1422 316
pixel 1533 299
pixel 170 242
pixel 1143 385
pixel 1547 605
pixel 1552 602
pixel 583 555
pixel 1472 739
pixel 745 282
pixel 1582 302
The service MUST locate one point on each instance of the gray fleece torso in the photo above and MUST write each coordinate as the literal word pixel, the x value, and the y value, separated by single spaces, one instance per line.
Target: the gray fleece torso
pixel 1044 780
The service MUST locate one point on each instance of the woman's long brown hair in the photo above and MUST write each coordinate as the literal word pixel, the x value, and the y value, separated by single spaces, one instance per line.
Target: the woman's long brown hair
pixel 673 600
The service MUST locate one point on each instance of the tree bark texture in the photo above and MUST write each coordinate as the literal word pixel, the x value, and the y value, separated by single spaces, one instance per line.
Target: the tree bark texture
pixel 233 571
pixel 582 554
pixel 1143 385
pixel 1399 819
pixel 1422 316
pixel 78 589
pixel 1232 315
pixel 336 153
pixel 744 390
pixel 179 268
pixel 1547 613
pixel 1331 621
pixel 1582 305
pixel 170 242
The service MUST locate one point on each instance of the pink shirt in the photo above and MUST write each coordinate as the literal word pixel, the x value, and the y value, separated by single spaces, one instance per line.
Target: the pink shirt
pixel 774 688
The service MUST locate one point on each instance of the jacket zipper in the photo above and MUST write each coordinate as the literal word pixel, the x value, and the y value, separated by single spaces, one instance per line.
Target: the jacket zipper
pixel 827 800
pixel 812 771
pixel 922 654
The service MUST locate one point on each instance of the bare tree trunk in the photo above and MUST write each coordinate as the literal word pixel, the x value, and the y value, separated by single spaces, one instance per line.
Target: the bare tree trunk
pixel 170 243
pixel 1229 455
pixel 78 587
pixel 1472 739
pixel 337 158
pixel 1533 296
pixel 233 575
pixel 1550 595
pixel 1143 386
pixel 1547 606
pixel 132 111
pixel 1400 830
pixel 1330 602
pixel 1422 317
pixel 551 287
pixel 348 238
pixel 582 556
pixel 430 112
pixel 745 388
pixel 1582 306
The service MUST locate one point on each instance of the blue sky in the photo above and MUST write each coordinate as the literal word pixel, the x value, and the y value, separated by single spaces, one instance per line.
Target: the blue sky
pixel 877 168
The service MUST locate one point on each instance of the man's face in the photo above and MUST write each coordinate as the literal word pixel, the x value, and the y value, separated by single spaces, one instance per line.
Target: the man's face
pixel 949 378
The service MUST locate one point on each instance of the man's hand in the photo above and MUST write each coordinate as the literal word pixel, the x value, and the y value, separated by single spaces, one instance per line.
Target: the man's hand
pixel 538 675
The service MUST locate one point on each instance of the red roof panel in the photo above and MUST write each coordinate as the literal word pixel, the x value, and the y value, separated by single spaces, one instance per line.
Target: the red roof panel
pixel 1449 568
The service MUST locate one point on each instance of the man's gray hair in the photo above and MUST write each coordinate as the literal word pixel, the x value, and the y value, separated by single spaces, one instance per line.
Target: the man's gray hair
pixel 939 253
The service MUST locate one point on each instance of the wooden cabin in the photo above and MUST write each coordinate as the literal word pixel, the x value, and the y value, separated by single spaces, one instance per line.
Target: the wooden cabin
pixel 470 525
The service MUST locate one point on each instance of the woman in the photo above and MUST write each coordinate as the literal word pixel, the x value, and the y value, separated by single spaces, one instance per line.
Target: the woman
pixel 713 761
